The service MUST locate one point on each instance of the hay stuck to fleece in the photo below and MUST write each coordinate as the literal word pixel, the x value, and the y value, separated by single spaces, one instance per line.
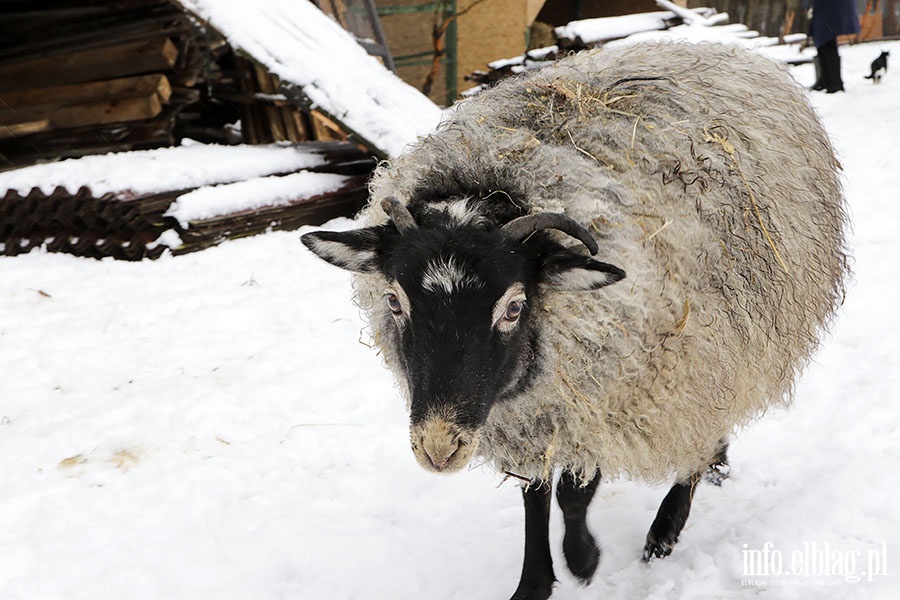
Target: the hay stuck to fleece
pixel 705 174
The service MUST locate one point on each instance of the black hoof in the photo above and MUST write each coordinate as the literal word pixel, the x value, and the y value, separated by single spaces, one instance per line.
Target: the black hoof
pixel 717 473
pixel 657 548
pixel 582 555
pixel 533 590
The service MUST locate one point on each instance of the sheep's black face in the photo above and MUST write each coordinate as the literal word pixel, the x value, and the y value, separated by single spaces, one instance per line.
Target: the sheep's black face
pixel 463 299
pixel 462 304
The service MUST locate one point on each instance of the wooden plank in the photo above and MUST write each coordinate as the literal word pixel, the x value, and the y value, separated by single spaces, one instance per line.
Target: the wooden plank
pixel 115 111
pixel 266 85
pixel 114 23
pixel 95 113
pixel 18 129
pixel 326 129
pixel 301 124
pixel 83 93
pixel 97 139
pixel 146 56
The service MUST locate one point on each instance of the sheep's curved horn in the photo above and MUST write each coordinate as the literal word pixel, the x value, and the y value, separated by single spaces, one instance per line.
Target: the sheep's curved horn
pixel 399 214
pixel 521 228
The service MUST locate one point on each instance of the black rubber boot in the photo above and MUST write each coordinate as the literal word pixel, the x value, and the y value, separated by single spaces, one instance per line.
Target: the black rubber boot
pixel 830 64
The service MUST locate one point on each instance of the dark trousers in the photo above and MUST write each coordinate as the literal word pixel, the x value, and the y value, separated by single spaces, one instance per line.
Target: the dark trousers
pixel 828 68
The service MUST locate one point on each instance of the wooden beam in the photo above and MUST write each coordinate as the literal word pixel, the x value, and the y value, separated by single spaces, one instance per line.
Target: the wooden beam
pixel 115 101
pixel 115 111
pixel 132 58
pixel 94 113
pixel 325 129
pixel 19 129
pixel 67 95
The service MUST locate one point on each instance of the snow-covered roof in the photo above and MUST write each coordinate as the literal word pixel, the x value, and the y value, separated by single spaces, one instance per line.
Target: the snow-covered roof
pixel 305 48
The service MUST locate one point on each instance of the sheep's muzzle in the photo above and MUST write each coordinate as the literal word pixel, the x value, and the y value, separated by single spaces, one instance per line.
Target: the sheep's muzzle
pixel 442 446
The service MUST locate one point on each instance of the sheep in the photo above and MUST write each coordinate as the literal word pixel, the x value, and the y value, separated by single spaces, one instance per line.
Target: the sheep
pixel 665 161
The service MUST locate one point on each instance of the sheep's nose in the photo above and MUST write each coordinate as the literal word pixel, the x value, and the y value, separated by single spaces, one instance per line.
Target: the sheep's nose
pixel 440 452
pixel 441 446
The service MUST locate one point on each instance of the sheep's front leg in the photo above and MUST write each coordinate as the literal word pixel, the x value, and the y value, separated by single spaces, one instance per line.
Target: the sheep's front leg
pixel 537 578
pixel 580 549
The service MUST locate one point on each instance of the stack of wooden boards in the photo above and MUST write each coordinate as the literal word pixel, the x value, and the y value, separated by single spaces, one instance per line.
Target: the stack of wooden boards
pixel 96 103
pixel 78 77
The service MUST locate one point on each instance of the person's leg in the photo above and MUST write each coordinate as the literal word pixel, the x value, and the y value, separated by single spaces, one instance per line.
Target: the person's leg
pixel 831 67
pixel 819 85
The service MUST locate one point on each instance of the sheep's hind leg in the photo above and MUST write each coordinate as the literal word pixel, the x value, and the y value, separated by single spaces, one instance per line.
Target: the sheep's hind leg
pixel 676 506
pixel 670 519
pixel 719 470
pixel 537 578
pixel 579 547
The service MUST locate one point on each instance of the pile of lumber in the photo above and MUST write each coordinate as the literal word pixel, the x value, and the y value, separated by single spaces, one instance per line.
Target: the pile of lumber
pixel 79 77
pixel 127 225
pixel 269 109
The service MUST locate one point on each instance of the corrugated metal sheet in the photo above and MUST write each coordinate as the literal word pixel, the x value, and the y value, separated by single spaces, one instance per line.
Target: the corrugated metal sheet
pixel 129 226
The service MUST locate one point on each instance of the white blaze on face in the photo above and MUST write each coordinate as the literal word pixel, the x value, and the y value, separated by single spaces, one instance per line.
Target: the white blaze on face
pixel 460 211
pixel 446 275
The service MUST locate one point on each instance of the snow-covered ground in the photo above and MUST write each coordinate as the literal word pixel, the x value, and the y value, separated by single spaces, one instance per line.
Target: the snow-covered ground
pixel 212 426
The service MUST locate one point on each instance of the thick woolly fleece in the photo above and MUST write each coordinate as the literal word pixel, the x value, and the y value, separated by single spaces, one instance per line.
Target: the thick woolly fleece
pixel 704 173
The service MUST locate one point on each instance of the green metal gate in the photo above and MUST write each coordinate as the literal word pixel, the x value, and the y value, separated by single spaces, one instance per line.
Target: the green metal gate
pixel 420 53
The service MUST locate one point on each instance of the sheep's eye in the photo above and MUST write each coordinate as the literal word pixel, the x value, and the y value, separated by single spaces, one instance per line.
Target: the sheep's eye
pixel 393 303
pixel 509 308
pixel 513 311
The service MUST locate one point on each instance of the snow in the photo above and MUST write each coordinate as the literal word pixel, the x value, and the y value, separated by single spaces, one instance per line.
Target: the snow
pixel 163 169
pixel 694 17
pixel 537 54
pixel 610 28
pixel 213 201
pixel 735 34
pixel 303 46
pixel 696 28
pixel 212 426
pixel 699 25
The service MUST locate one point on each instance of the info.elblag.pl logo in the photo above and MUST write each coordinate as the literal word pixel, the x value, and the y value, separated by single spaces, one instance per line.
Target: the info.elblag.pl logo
pixel 812 563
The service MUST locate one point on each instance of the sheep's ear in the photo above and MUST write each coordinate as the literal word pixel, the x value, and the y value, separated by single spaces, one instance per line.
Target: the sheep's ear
pixel 571 272
pixel 357 250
